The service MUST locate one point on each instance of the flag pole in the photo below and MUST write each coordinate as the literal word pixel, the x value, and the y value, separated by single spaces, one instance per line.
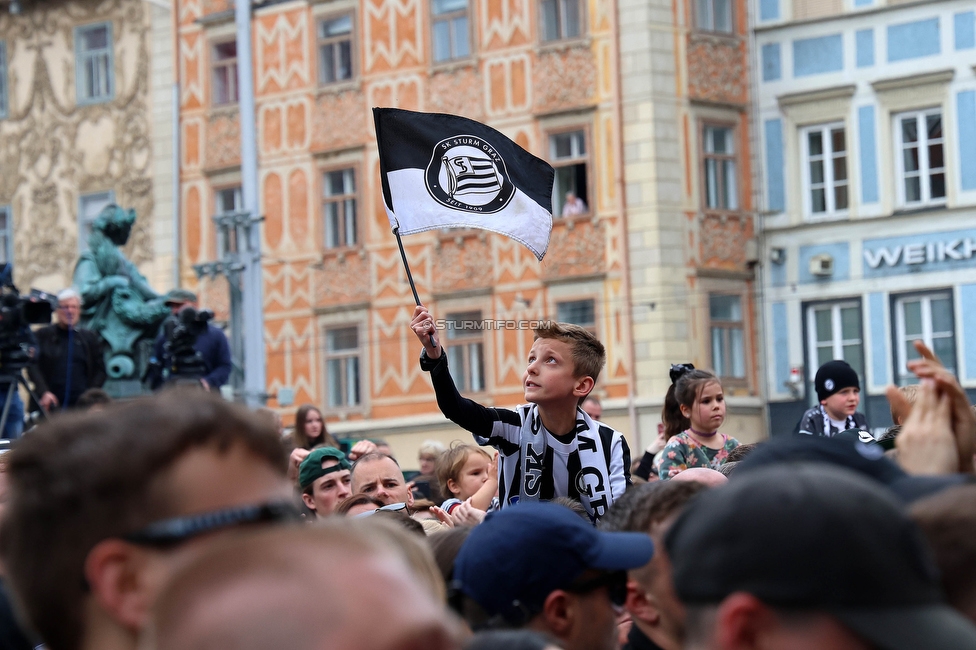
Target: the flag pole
pixel 413 287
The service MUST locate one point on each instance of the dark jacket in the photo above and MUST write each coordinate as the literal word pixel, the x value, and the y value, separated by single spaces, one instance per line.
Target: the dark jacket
pixel 812 423
pixel 212 346
pixel 52 346
pixel 637 640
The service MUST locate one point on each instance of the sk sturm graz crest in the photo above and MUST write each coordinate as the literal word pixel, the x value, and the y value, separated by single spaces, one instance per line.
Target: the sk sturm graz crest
pixel 467 173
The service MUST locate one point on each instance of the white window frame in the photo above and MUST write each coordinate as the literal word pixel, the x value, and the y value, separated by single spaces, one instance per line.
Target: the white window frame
pixel 465 348
pixel 344 356
pixel 233 92
pixel 4 92
pixel 924 170
pixel 227 237
pixel 830 184
pixel 97 62
pixel 591 326
pixel 7 234
pixel 579 154
pixel 335 42
pixel 562 28
pixel 837 338
pixel 727 343
pixel 705 16
pixel 454 32
pixel 84 224
pixel 346 222
pixel 902 375
pixel 720 159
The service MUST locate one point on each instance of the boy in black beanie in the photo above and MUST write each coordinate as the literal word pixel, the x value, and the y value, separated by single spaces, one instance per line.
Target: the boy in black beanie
pixel 839 392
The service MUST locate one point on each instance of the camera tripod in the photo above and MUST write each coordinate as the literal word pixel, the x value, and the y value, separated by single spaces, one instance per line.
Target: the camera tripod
pixel 12 381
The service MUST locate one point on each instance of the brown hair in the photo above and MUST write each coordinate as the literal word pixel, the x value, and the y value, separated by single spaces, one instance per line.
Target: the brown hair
pixel 684 391
pixel 357 500
pixel 647 505
pixel 446 545
pixel 589 355
pixel 451 462
pixel 948 521
pixel 87 476
pixel 301 438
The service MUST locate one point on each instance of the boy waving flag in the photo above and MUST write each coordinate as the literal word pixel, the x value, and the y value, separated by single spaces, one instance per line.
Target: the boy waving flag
pixel 445 171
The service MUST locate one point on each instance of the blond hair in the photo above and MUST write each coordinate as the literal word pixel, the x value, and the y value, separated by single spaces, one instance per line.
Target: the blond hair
pixel 452 461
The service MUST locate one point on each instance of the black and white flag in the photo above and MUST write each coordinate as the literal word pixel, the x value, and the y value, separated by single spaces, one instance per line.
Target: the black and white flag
pixel 445 171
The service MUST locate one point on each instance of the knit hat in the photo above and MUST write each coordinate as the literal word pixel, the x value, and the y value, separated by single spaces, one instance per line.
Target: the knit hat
pixel 834 376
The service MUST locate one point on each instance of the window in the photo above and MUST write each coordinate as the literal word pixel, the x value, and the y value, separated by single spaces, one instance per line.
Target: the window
pixel 567 152
pixel 720 190
pixel 713 15
pixel 89 206
pixel 228 201
pixel 6 235
pixel 465 350
pixel 921 163
pixel 449 32
pixel 4 101
pixel 578 312
pixel 225 73
pixel 926 318
pixel 561 19
pixel 825 171
pixel 339 208
pixel 94 71
pixel 342 366
pixel 335 49
pixel 833 332
pixel 728 345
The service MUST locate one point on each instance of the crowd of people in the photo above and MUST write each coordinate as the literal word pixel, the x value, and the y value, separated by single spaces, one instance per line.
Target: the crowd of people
pixel 186 521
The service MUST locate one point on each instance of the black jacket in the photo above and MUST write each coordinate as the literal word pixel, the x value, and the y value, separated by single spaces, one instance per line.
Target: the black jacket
pixel 812 423
pixel 51 348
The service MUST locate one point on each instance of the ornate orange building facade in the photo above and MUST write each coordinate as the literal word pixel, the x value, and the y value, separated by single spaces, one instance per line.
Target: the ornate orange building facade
pixel 550 74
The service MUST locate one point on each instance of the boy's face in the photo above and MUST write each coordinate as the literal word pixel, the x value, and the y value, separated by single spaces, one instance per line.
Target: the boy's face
pixel 842 403
pixel 550 374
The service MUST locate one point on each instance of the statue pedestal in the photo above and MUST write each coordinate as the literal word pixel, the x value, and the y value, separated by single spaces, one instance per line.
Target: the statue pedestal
pixel 124 388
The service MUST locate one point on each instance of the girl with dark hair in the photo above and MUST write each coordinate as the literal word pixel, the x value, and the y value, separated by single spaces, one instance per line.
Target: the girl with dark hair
pixel 310 429
pixel 694 409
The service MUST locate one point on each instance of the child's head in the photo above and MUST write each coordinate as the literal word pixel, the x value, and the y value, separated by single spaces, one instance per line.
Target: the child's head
pixel 585 354
pixel 694 400
pixel 898 414
pixel 838 389
pixel 462 470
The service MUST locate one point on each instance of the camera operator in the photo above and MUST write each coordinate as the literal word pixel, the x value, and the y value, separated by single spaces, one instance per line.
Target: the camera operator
pixel 211 344
pixel 69 359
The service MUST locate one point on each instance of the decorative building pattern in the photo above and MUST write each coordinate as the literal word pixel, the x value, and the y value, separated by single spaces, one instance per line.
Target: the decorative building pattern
pixel 717 69
pixel 53 151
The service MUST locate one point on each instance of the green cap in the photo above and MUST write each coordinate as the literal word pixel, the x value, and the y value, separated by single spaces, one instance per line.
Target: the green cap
pixel 180 296
pixel 311 467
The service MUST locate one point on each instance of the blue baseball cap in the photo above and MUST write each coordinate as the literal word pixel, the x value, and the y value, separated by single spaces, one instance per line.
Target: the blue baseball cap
pixel 518 556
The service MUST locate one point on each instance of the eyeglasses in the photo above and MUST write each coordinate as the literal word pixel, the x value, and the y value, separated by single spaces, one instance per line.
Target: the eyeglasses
pixel 393 507
pixel 614 581
pixel 171 532
pixel 678 369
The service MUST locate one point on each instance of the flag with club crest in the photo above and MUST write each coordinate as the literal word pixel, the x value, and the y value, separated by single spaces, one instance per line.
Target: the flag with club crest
pixel 445 171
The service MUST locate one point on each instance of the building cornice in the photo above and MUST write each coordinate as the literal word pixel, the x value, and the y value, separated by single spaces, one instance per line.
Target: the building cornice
pixel 914 80
pixel 817 96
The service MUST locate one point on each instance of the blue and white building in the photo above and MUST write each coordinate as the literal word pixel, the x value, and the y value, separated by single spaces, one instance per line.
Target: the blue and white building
pixel 866 113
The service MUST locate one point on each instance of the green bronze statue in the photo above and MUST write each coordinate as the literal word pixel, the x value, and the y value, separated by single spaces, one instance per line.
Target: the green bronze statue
pixel 117 301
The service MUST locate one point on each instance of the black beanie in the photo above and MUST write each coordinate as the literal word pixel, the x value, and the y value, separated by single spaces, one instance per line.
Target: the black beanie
pixel 834 376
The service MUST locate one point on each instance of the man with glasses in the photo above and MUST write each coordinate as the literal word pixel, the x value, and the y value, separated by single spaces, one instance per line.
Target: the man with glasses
pixel 541 566
pixel 104 506
pixel 69 358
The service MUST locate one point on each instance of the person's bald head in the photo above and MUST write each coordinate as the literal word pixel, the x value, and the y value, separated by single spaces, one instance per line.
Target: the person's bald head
pixel 303 588
pixel 710 477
